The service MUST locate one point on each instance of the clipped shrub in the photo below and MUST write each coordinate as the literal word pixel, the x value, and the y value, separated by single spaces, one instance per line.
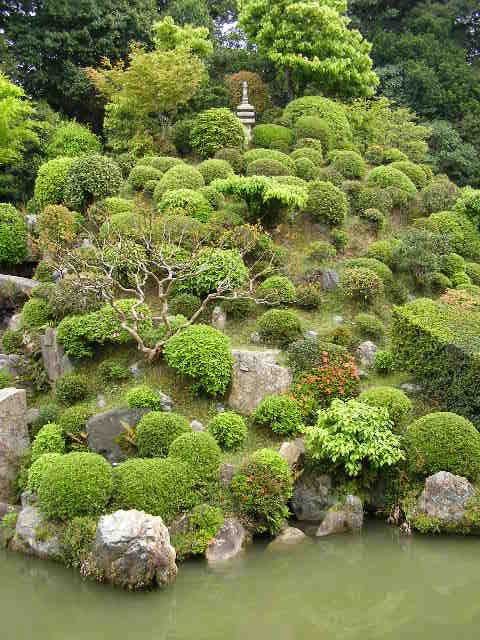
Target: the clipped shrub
pixel 281 414
pixel 12 341
pixel 57 228
pixel 161 163
pixel 261 490
pixel 73 420
pixel 395 401
pixel 310 153
pixel 349 163
pixel 50 439
pixel 415 172
pixel 452 263
pixel 270 154
pixel 468 204
pixel 214 268
pixel 308 296
pixel 76 484
pixel 305 169
pixel 180 176
pixel 184 304
pixel 439 282
pixel 13 235
pixel 229 430
pixel 233 156
pixel 36 313
pixel 383 250
pixel 279 326
pixel 340 239
pixel 215 129
pixel 264 135
pixel 376 198
pixel 384 362
pixel 439 195
pixel 381 269
pixel 369 326
pixel 313 127
pixel 443 442
pixel 50 182
pixel 472 269
pixel 388 176
pixel 267 167
pixel 215 199
pixel 375 154
pixel 202 456
pixel 38 469
pixel 321 251
pixel 72 139
pixel 214 169
pixel 203 354
pixel 239 307
pixel 202 524
pixel 326 203
pixel 161 487
pixel 332 112
pixel 277 290
pixel 461 233
pixel 141 174
pixel 111 371
pixel 157 430
pixel 90 178
pixel 143 397
pixel 71 388
pixel 185 202
pixel 361 284
pixel 374 217
pixel 460 279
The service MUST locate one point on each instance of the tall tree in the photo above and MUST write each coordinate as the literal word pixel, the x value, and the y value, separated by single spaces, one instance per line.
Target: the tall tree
pixel 311 42
pixel 16 125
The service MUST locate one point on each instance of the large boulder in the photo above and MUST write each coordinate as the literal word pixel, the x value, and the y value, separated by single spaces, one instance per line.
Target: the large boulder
pixel 32 535
pixel 287 538
pixel 365 354
pixel 132 550
pixel 103 430
pixel 228 542
pixel 313 495
pixel 55 360
pixel 330 280
pixel 293 451
pixel 25 285
pixel 13 437
pixel 256 374
pixel 11 363
pixel 344 517
pixel 445 497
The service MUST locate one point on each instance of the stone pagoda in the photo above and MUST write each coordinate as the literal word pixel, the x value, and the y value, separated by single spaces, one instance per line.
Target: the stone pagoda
pixel 246 112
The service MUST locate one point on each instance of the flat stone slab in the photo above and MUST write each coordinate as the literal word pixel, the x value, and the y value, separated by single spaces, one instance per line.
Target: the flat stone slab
pixel 23 284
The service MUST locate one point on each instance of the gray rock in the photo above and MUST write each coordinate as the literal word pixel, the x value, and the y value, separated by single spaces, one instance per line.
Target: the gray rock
pixel 255 338
pixel 219 319
pixel 220 408
pixel 312 496
pixel 25 285
pixel 101 401
pixel 330 280
pixel 366 354
pixel 256 374
pixel 28 499
pixel 337 320
pixel 104 428
pixel 55 360
pixel 411 388
pixel 445 497
pixel 31 219
pixel 293 451
pixel 311 334
pixel 227 471
pixel 33 415
pixel 15 322
pixel 196 425
pixel 14 438
pixel 227 543
pixel 11 363
pixel 343 518
pixel 132 550
pixel 287 538
pixel 30 536
pixel 135 370
pixel 166 402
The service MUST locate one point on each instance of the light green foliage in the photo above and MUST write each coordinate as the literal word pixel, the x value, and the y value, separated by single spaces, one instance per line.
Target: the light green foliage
pixel 160 163
pixel 141 174
pixel 113 371
pixel 468 204
pixel 261 490
pixel 204 521
pixel 331 112
pixel 38 469
pixel 143 397
pixel 90 178
pixel 279 326
pixel 12 341
pixel 439 195
pixel 73 420
pixel 395 401
pixel 203 354
pixel 265 134
pixel 281 414
pixel 472 269
pixel 77 540
pixel 185 202
pixel 383 250
pixel 157 430
pixel 277 290
pixel 415 172
pixel 229 430
pixel 50 439
pixel 460 232
pixel 355 437
pixel 214 169
pixel 349 163
pixel 57 229
pixel 233 156
pixel 381 269
pixel 76 484
pixel 305 169
pixel 369 326
pixel 215 129
pixel 443 442
pixel 452 263
pixel 269 154
pixel 267 167
pixel 320 129
pixel 71 387
pixel 51 180
pixel 215 199
pixel 17 127
pixel 6 380
pixel 314 155
pixel 361 284
pixel 72 139
pixel 36 313
pixel 216 269
pixel 184 304
pixel 384 362
pixel 390 177
pixel 180 176
pixel 202 456
pixel 13 235
pixel 326 203
pixel 374 217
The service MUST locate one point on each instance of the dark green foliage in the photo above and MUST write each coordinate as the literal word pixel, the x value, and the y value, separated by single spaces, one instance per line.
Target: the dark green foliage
pixel 13 235
pixel 369 326
pixel 143 397
pixel 312 127
pixel 157 430
pixel 395 401
pixel 281 414
pixel 215 129
pixel 214 169
pixel 71 139
pixel 202 456
pixel 277 290
pixel 184 304
pixel 76 484
pixel 180 176
pixel 270 154
pixel 308 296
pixel 204 521
pixel 71 388
pixel 349 163
pixel 112 371
pixel 161 487
pixel 203 354
pixel 321 250
pixel 310 153
pixel 73 420
pixel 267 167
pixel 266 134
pixel 239 307
pixel 340 239
pixel 361 284
pixel 48 412
pixel 278 326
pixel 215 199
pixel 91 178
pixel 326 203
pixel 12 341
pixel 50 439
pixel 229 430
pixel 305 169
pixel 261 490
pixel 374 217
pixel 460 232
pixel 141 174
pixel 443 442
pixel 36 313
pixel 308 353
pixel 38 469
pixel 383 250
pixel 77 540
pixel 233 156
pixel 439 195
pixel 185 202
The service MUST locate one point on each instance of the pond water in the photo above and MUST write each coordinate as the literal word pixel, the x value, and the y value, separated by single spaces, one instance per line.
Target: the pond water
pixel 374 585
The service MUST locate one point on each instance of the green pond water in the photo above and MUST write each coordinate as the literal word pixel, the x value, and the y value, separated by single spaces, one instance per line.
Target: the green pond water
pixel 374 585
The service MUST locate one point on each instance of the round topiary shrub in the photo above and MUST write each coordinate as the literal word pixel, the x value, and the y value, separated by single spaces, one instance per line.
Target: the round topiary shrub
pixel 214 198
pixel 161 487
pixel 261 490
pixel 439 195
pixel 215 129
pixel 161 163
pixel 50 439
pixel 76 484
pixel 415 172
pixel 201 454
pixel 279 326
pixel 91 178
pixel 443 442
pixel 395 401
pixel 361 284
pixel 320 251
pixel 185 202
pixel 36 313
pixel 384 362
pixel 143 397
pixel 326 203
pixel 309 296
pixel 214 169
pixel 383 250
pixel 72 139
pixel 388 176
pixel 277 290
pixel 71 388
pixel 306 169
pixel 229 430
pixel 157 430
pixel 38 469
pixel 267 167
pixel 281 414
pixel 50 182
pixel 57 228
pixel 369 326
pixel 73 420
pixel 314 155
pixel 184 304
pixel 381 269
pixel 214 268
pixel 374 217
pixel 270 154
pixel 472 270
pixel 233 156
pixel 452 263
pixel 180 176
pixel 13 235
pixel 313 127
pixel 141 174
pixel 349 163
pixel 203 354
pixel 318 106
pixel 264 135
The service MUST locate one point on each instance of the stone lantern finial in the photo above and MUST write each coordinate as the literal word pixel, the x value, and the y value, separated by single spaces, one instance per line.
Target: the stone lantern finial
pixel 246 112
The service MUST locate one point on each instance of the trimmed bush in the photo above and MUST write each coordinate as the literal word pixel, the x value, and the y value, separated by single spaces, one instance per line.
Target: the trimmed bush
pixel 314 155
pixel 452 263
pixel 214 169
pixel 266 134
pixel 229 430
pixel 267 167
pixel 161 163
pixel 369 326
pixel 443 442
pixel 309 296
pixel 49 439
pixel 185 202
pixel 180 176
pixel 281 414
pixel 161 487
pixel 202 457
pixel 381 269
pixel 141 174
pixel 460 232
pixel 472 269
pixel 270 154
pixel 388 176
pixel 72 139
pixel 184 304
pixel 383 250
pixel 36 313
pixel 215 199
pixel 50 182
pixel 201 524
pixel 384 362
pixel 157 430
pixel 38 469
pixel 397 403
pixel 439 195
pixel 261 490
pixel 277 290
pixel 77 484
pixel 73 420
pixel 143 397
pixel 71 388
pixel 319 106
pixel 278 326
pixel 340 239
pixel 203 354
pixel 57 228
pixel 305 169
pixel 112 371
pixel 215 129
pixel 312 127
pixel 214 268
pixel 361 284
pixel 415 172
pixel 91 178
pixel 13 235
pixel 233 156
pixel 374 217
pixel 326 203
pixel 349 163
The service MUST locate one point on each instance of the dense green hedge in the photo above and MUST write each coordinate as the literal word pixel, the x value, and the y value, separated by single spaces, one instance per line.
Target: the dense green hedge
pixel 215 129
pixel 13 235
pixel 157 430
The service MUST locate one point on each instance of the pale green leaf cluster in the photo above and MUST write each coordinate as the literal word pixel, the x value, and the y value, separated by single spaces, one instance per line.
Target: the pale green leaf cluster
pixel 264 189
pixel 16 126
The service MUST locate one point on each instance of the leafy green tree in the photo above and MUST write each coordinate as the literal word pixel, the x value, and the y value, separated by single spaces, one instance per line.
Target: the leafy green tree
pixel 311 42
pixel 16 125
